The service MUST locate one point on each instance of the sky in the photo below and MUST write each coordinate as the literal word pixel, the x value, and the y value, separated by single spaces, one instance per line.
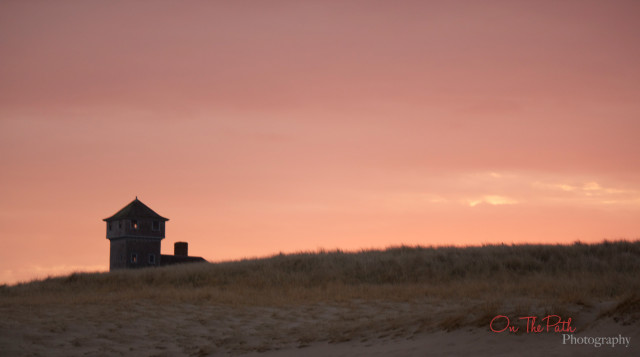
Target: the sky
pixel 260 127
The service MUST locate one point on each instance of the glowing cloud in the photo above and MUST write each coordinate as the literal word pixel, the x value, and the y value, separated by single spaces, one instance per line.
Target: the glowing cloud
pixel 590 192
pixel 591 186
pixel 493 200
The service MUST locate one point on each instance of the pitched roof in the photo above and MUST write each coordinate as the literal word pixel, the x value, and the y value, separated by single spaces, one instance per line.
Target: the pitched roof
pixel 133 210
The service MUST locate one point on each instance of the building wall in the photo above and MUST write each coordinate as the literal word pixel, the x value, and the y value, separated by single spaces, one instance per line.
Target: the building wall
pixel 117 255
pixel 140 227
pixel 134 253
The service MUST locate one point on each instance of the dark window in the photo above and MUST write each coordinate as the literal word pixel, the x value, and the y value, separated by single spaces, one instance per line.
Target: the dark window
pixel 120 224
pixel 152 258
pixel 134 224
pixel 134 258
pixel 156 225
pixel 109 224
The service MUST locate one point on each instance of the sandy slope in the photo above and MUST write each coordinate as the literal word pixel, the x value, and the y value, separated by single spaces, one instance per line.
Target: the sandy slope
pixel 473 342
pixel 355 328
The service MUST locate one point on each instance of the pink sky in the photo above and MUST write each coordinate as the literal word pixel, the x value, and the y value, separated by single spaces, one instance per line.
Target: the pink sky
pixel 261 127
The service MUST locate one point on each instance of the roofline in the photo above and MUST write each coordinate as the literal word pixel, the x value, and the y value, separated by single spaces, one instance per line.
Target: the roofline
pixel 136 237
pixel 108 219
pixel 153 215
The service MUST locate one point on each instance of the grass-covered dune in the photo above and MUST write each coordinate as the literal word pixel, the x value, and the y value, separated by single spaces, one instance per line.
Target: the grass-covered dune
pixel 398 301
pixel 575 273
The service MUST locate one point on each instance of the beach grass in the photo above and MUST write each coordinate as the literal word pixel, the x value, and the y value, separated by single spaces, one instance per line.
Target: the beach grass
pixel 573 274
pixel 314 299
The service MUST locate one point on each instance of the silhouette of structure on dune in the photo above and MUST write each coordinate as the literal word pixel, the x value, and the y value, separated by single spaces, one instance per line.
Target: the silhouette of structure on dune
pixel 135 233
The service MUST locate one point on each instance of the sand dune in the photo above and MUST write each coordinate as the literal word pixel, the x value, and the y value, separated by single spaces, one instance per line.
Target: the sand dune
pixel 399 302
pixel 356 328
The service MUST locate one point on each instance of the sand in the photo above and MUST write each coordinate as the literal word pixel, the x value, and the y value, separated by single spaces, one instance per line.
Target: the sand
pixel 354 328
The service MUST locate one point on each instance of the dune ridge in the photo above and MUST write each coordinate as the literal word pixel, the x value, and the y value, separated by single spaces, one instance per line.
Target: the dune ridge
pixel 400 296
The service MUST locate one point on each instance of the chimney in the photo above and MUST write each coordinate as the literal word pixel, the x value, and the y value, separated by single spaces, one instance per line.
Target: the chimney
pixel 181 249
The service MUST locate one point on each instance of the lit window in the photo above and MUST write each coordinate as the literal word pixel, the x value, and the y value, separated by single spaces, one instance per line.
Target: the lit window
pixel 156 225
pixel 134 224
pixel 134 258
pixel 152 258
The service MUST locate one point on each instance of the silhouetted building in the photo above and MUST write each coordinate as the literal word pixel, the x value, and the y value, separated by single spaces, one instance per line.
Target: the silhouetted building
pixel 135 233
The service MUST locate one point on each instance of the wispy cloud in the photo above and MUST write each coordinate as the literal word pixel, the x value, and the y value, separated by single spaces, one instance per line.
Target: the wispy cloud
pixel 494 188
pixel 586 192
pixel 493 200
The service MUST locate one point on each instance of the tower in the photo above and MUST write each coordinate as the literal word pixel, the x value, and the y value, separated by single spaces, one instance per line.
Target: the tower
pixel 135 233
